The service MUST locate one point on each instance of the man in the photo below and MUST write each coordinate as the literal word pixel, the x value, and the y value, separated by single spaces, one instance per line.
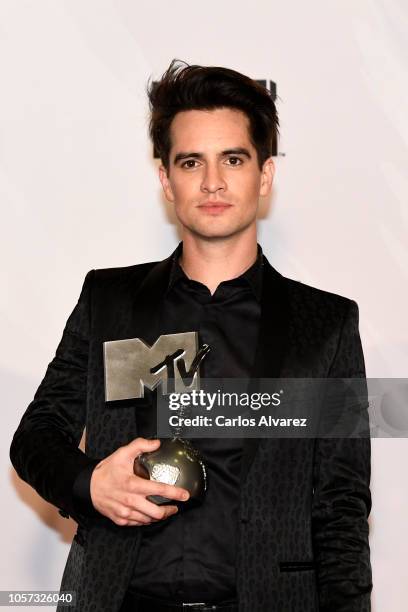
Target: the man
pixel 283 526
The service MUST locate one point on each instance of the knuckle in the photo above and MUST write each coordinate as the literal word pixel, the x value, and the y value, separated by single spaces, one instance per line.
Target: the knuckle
pixel 155 514
pixel 161 513
pixel 127 500
pixel 124 513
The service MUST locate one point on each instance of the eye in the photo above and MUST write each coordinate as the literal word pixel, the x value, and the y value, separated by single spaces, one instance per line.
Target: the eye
pixel 237 159
pixel 188 161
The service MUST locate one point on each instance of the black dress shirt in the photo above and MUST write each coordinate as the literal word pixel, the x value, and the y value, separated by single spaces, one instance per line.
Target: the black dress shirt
pixel 191 555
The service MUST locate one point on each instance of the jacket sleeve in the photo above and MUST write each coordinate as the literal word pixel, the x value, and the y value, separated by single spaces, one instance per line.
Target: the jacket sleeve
pixel 44 450
pixel 342 499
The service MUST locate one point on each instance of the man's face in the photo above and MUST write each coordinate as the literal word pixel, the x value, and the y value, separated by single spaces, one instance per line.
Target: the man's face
pixel 212 161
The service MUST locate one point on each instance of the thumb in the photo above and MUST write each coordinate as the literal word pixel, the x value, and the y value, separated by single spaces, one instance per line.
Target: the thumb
pixel 142 445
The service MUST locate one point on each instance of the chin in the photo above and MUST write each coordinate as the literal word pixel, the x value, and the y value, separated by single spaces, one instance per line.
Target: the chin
pixel 215 233
pixel 219 226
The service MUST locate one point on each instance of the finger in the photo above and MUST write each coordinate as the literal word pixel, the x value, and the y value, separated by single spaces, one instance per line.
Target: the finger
pixel 146 487
pixel 162 515
pixel 150 509
pixel 123 515
pixel 141 445
pixel 128 523
pixel 154 511
pixel 137 518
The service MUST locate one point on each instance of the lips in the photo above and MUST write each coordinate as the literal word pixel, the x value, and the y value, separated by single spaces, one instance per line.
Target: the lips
pixel 214 207
pixel 215 203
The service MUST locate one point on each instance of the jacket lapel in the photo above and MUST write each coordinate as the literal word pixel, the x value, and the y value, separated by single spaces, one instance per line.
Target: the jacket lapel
pixel 147 325
pixel 272 340
pixel 148 301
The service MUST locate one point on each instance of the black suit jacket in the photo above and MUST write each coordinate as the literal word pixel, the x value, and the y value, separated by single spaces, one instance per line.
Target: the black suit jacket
pixel 303 530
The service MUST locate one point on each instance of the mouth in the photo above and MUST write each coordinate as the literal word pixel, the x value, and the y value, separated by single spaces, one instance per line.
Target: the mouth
pixel 214 207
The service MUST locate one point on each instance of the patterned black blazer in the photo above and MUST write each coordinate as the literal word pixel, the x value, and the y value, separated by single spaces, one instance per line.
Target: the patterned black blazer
pixel 304 503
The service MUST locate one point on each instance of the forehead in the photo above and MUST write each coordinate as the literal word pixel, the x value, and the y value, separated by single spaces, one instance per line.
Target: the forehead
pixel 220 127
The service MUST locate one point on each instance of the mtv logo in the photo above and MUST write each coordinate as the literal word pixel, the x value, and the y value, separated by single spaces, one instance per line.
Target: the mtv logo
pixel 132 364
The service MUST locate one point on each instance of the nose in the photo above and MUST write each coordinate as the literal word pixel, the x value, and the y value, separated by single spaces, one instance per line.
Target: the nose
pixel 213 179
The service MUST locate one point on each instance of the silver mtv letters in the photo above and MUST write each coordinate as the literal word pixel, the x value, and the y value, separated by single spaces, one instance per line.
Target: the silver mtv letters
pixel 131 365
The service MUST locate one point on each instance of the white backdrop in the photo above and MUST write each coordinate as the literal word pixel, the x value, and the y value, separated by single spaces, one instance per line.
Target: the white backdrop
pixel 79 190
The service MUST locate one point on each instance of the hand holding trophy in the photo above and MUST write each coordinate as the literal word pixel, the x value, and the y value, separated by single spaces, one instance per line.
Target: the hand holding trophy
pixel 175 462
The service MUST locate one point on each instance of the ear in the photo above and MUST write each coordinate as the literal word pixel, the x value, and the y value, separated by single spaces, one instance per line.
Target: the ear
pixel 268 172
pixel 164 179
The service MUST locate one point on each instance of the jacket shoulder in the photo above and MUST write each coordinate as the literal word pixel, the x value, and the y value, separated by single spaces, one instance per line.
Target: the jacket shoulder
pixel 110 283
pixel 123 272
pixel 113 279
pixel 308 292
pixel 311 298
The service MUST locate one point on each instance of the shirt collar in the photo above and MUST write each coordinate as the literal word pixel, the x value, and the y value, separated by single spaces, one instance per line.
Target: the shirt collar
pixel 252 276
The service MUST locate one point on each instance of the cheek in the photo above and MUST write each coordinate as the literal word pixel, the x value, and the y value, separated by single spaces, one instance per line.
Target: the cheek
pixel 185 189
pixel 249 187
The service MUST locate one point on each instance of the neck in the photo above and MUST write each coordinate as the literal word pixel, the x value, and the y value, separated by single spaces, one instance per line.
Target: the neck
pixel 211 261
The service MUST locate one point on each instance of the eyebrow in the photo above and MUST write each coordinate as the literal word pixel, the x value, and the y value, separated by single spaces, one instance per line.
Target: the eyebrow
pixel 197 155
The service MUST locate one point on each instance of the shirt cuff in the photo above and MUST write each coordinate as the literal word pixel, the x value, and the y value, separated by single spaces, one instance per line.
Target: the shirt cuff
pixel 81 491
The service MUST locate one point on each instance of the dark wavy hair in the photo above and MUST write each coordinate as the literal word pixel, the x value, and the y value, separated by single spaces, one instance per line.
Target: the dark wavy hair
pixel 185 87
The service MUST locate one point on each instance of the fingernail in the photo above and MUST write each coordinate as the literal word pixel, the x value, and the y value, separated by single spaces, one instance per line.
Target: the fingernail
pixel 185 496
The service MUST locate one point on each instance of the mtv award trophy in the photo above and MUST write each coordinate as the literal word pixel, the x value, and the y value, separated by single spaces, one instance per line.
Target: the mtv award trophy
pixel 128 369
